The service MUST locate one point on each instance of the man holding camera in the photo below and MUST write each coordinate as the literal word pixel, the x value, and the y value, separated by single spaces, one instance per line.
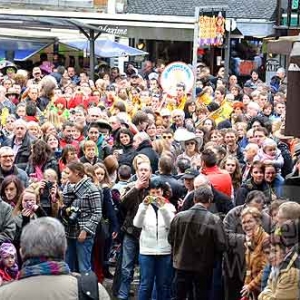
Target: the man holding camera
pixel 81 215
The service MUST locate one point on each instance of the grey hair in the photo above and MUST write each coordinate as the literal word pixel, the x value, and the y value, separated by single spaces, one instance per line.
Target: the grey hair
pixel 203 181
pixel 5 149
pixel 203 194
pixel 43 237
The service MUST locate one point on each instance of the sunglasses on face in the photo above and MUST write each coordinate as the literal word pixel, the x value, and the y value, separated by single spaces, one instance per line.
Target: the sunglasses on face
pixel 190 143
pixel 167 137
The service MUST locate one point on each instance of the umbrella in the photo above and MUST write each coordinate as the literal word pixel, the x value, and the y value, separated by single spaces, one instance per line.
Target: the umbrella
pixel 105 48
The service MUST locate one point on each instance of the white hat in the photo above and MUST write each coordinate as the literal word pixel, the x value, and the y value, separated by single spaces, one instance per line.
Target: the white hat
pixel 153 75
pixel 165 112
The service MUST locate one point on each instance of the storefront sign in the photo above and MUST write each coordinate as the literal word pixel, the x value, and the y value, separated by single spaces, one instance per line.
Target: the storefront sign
pixel 174 73
pixel 211 29
pixel 116 30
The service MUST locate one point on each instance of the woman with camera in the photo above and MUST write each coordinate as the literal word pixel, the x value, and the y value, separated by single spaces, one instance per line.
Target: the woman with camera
pixel 154 217
pixel 50 196
pixel 81 214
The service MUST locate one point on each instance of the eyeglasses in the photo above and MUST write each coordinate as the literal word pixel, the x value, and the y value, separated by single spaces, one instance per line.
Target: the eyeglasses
pixel 167 137
pixel 190 143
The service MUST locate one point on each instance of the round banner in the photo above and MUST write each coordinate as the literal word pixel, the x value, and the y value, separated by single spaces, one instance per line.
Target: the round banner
pixel 174 73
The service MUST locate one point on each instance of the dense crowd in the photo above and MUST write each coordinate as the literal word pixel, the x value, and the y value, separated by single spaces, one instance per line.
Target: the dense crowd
pixel 195 192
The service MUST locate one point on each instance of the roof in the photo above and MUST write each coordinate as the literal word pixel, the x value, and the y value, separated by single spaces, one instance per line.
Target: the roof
pixel 241 9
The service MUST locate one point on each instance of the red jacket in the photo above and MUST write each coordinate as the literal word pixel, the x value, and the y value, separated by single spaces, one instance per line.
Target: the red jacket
pixel 220 179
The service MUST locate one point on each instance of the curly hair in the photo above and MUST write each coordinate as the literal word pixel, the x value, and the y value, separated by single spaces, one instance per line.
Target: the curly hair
pixel 40 153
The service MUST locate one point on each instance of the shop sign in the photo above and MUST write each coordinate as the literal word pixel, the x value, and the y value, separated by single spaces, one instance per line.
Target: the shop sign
pixel 211 28
pixel 115 30
pixel 295 4
pixel 174 73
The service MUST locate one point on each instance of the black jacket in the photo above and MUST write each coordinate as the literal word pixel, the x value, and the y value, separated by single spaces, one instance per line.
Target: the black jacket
pixel 145 147
pixel 177 188
pixel 246 188
pixel 21 159
pixel 221 204
pixel 197 238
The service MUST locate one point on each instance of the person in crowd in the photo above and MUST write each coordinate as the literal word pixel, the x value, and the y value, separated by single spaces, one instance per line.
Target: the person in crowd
pixel 7 166
pixel 89 153
pixel 231 143
pixel 165 168
pixel 123 147
pixel 109 222
pixel 231 164
pixel 69 154
pixel 44 269
pixel 9 269
pixel 40 159
pixel 82 212
pixel 134 195
pixel 194 264
pixel 7 223
pixel 155 213
pixel 250 152
pixel 11 189
pixel 256 182
pixel 283 256
pixel 192 146
pixel 220 179
pixel 20 143
pixel 256 240
pixel 234 259
pixel 142 145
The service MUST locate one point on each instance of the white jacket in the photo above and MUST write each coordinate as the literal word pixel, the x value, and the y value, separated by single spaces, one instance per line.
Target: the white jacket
pixel 155 228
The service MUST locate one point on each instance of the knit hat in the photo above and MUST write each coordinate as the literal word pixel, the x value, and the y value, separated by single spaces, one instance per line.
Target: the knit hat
pixel 7 249
pixel 269 143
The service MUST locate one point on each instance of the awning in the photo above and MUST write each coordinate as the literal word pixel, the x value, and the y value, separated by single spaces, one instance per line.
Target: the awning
pixel 283 45
pixel 105 48
pixel 256 29
pixel 23 49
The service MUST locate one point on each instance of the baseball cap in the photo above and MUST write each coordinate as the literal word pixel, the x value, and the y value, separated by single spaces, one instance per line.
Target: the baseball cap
pixel 190 174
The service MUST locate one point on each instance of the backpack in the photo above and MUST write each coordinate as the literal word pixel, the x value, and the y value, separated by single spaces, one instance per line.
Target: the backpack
pixel 87 286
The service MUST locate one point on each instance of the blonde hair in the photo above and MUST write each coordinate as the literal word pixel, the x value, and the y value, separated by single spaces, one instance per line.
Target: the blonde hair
pixel 51 172
pixel 254 212
pixel 32 189
pixel 143 157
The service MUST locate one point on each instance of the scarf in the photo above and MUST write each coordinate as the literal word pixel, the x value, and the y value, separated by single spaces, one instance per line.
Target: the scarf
pixel 43 266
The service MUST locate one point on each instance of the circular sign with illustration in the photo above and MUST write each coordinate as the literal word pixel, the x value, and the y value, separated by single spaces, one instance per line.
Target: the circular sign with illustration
pixel 174 73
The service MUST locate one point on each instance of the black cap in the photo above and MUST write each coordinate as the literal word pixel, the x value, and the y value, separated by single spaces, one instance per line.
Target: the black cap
pixel 190 174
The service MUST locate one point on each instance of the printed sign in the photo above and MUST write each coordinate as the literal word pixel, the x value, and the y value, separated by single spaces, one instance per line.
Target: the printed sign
pixel 211 29
pixel 174 73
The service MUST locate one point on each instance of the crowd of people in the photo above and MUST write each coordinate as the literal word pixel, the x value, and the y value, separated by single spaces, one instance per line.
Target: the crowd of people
pixel 194 192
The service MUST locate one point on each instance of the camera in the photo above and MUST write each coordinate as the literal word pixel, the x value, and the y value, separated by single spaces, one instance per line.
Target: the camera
pixel 74 213
pixel 49 185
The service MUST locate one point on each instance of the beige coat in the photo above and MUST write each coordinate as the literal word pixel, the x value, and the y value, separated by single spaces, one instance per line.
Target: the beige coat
pixel 286 285
pixel 46 287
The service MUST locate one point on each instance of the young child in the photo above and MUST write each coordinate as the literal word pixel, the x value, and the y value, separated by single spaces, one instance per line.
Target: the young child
pixel 90 154
pixel 270 154
pixel 8 263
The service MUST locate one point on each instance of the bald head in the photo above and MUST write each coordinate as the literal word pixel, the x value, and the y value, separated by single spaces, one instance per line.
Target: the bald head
pixel 200 180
